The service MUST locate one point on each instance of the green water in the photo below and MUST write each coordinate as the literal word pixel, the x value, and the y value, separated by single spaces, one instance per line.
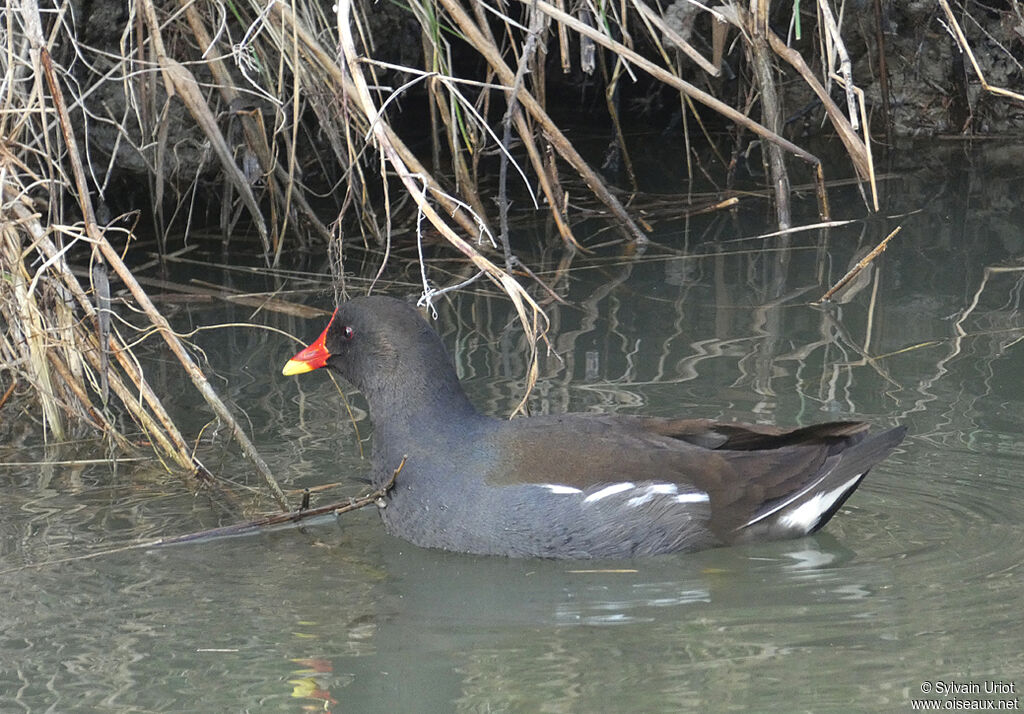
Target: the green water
pixel 917 583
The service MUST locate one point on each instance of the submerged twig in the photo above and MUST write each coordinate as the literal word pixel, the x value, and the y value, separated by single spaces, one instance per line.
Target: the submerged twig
pixel 864 262
pixel 338 508
pixel 238 529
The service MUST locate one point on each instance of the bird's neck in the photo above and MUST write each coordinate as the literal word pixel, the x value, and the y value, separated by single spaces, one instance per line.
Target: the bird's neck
pixel 420 400
pixel 420 413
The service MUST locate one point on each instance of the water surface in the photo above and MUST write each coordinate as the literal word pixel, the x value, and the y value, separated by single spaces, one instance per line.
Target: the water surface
pixel 918 579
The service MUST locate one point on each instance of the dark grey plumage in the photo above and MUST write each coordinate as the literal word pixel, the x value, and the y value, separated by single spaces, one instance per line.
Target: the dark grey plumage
pixel 572 485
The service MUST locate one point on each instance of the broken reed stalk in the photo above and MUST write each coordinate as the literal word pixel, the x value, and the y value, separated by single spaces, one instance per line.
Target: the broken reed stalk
pixel 966 48
pixel 871 178
pixel 855 270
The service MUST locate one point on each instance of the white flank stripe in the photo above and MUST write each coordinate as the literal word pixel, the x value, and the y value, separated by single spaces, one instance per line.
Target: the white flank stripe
pixel 651 491
pixel 609 491
pixel 663 488
pixel 807 514
pixel 698 497
pixel 558 488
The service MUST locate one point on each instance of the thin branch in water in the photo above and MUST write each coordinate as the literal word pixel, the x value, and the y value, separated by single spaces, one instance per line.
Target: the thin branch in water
pixel 864 262
pixel 339 507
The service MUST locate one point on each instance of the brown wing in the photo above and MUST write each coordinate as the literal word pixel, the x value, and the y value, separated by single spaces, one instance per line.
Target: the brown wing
pixel 742 467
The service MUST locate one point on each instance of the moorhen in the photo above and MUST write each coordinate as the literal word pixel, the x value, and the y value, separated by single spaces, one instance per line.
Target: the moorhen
pixel 573 485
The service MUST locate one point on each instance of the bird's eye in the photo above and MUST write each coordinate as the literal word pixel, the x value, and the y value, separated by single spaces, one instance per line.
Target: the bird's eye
pixel 348 332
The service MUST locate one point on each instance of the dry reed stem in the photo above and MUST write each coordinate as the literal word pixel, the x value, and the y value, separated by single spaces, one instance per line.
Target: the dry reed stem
pixel 98 240
pixel 845 66
pixel 178 80
pixel 672 80
pixel 871 178
pixel 771 116
pixel 611 87
pixel 416 186
pixel 655 19
pixel 564 147
pixel 966 48
pixel 854 146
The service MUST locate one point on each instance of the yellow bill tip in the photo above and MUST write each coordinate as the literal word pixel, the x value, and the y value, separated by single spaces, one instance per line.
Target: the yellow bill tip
pixel 295 367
